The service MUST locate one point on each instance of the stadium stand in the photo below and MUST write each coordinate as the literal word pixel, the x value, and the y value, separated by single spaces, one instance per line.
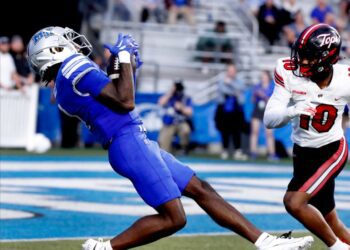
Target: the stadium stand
pixel 169 50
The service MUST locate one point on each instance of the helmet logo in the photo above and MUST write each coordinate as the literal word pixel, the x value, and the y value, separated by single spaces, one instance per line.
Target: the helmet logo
pixel 328 39
pixel 38 36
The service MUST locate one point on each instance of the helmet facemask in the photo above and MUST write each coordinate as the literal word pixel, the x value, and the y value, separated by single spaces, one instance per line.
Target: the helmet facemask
pixel 308 63
pixel 79 41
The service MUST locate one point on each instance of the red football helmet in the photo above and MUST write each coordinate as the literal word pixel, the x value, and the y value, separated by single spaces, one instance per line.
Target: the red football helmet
pixel 316 50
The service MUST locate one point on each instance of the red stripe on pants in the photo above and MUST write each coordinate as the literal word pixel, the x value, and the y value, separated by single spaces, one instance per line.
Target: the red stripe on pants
pixel 324 168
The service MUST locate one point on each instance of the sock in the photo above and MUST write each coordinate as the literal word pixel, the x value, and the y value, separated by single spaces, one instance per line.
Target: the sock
pixel 107 245
pixel 261 239
pixel 339 245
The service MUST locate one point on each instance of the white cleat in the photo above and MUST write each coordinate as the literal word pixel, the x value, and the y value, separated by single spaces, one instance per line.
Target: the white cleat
pixel 284 242
pixel 92 244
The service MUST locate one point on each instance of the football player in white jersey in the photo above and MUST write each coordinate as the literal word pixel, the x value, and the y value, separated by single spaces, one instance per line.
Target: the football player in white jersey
pixel 311 91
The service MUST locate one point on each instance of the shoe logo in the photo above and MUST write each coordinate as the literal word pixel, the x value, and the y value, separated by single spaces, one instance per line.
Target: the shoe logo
pixel 337 99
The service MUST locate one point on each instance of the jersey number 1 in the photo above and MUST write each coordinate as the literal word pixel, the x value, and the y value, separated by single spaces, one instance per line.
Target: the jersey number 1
pixel 323 120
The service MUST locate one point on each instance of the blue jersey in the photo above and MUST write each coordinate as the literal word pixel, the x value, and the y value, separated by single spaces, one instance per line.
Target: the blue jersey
pixel 78 83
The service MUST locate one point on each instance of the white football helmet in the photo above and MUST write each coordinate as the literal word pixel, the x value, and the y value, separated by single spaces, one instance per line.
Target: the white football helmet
pixel 52 45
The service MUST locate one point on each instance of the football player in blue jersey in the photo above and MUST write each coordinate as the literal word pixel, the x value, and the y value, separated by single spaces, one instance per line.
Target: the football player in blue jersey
pixel 105 102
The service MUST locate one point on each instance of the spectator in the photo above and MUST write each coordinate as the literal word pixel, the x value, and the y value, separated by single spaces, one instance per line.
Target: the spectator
pixel 293 30
pixel 287 12
pixel 153 8
pixel 69 130
pixel 292 6
pixel 269 21
pixel 331 20
pixel 69 126
pixel 229 117
pixel 8 76
pixel 343 16
pixel 121 11
pixel 343 24
pixel 92 17
pixel 261 94
pixel 177 117
pixel 183 8
pixel 251 5
pixel 217 42
pixel 26 76
pixel 320 12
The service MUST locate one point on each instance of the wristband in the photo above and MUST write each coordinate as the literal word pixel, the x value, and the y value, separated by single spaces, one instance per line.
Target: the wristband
pixel 124 57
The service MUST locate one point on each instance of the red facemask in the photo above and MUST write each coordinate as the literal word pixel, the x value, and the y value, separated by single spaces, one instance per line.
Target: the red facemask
pixel 306 71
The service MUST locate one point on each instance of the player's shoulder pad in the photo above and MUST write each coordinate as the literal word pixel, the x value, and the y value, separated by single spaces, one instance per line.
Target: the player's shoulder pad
pixel 77 67
pixel 280 73
pixel 342 69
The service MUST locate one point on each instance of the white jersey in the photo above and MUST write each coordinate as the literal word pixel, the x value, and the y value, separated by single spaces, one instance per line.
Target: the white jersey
pixel 323 128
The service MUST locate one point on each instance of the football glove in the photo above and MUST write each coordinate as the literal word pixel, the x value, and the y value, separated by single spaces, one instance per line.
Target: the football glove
pixel 301 108
pixel 138 59
pixel 124 43
pixel 130 40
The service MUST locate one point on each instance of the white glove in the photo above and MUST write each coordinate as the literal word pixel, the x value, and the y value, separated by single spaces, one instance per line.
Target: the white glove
pixel 301 108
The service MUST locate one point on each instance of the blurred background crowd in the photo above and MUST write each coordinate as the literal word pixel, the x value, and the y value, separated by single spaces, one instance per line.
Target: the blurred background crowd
pixel 207 67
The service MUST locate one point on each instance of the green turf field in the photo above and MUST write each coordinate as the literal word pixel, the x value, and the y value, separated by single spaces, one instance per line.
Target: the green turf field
pixel 171 243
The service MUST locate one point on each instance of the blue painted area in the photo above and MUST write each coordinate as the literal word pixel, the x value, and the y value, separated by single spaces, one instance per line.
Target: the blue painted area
pixel 57 223
pixel 204 125
pixel 60 174
pixel 87 158
pixel 69 174
pixel 47 158
pixel 48 121
pixel 95 196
